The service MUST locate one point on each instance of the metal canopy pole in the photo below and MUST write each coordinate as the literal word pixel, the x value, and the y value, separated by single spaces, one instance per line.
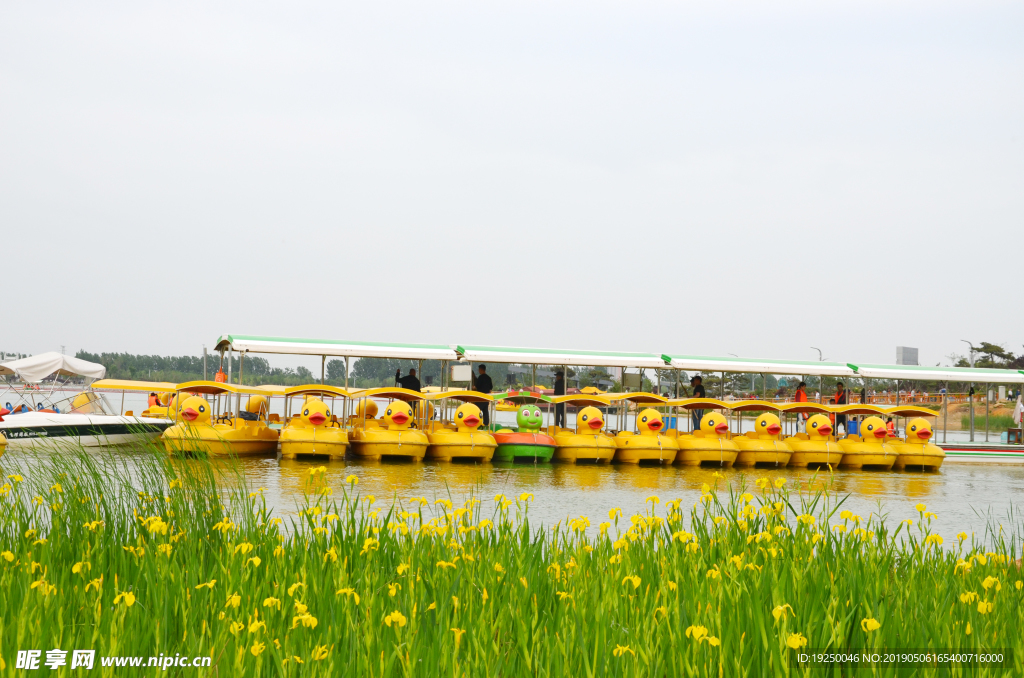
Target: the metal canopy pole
pixel 945 413
pixel 238 396
pixel 323 361
pixel 988 391
pixel 346 373
pixel 970 400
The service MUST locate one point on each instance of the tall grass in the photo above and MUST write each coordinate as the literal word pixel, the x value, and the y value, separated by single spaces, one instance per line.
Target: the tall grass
pixel 996 422
pixel 179 557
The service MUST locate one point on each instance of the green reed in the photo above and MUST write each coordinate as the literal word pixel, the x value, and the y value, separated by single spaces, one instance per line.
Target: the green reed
pixel 180 557
pixel 996 422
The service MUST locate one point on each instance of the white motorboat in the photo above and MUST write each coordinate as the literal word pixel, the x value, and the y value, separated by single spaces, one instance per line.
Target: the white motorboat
pixel 87 430
pixel 34 409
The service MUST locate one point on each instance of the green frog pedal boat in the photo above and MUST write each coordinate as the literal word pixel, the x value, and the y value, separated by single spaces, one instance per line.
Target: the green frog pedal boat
pixel 528 443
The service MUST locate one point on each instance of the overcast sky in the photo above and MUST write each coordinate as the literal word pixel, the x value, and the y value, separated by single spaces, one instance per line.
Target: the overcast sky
pixel 707 178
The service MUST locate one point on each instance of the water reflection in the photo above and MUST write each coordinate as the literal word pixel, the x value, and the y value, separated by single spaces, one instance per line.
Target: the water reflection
pixel 955 493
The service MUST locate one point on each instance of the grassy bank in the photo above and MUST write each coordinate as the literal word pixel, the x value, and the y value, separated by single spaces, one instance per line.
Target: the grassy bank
pixel 182 558
pixel 997 422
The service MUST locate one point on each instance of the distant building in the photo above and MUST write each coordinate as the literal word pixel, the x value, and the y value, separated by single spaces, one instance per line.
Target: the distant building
pixel 906 356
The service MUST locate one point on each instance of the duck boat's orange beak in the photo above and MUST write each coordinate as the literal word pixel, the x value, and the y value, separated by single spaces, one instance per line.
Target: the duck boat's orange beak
pixel 924 433
pixel 471 420
pixel 880 433
pixel 773 429
pixel 595 423
pixel 722 428
pixel 654 425
pixel 189 414
pixel 824 430
pixel 399 418
pixel 317 418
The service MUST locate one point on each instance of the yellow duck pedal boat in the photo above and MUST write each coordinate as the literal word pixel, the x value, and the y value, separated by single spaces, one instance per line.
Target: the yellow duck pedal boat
pixel 816 447
pixel 390 436
pixel 917 451
pixel 763 445
pixel 312 433
pixel 709 444
pixel 869 450
pixel 593 445
pixel 650 445
pixel 196 433
pixel 465 442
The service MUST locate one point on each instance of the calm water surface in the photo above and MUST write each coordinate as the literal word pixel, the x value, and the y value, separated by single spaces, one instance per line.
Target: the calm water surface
pixel 963 495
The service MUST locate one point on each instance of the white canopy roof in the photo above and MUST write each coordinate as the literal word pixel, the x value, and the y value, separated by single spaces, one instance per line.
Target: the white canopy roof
pixel 978 375
pixel 35 368
pixel 355 349
pixel 547 356
pixel 759 366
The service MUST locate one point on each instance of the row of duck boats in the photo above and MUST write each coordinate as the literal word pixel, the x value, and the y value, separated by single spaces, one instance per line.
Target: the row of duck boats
pixel 400 424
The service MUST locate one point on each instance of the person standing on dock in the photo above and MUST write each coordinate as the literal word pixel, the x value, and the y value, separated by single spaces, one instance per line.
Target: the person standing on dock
pixel 840 400
pixel 698 392
pixel 482 384
pixel 560 390
pixel 409 381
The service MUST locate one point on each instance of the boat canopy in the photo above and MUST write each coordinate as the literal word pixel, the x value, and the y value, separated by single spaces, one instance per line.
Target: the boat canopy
pixel 639 397
pixel 523 397
pixel 218 387
pixel 753 406
pixel 580 400
pixel 805 408
pixel 36 368
pixel 323 347
pixel 128 385
pixel 461 394
pixel 978 375
pixel 910 411
pixel 547 356
pixel 314 389
pixel 857 408
pixel 392 393
pixel 698 403
pixel 758 366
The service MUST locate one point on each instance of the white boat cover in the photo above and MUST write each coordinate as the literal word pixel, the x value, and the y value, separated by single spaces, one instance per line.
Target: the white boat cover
pixel 36 368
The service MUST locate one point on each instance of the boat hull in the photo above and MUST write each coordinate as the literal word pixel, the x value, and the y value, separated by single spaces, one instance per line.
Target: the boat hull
pixel 867 455
pixel 409 444
pixel 87 430
pixel 523 446
pixel 636 449
pixel 221 440
pixel 313 442
pixel 577 447
pixel 814 453
pixel 912 456
pixel 695 451
pixel 461 445
pixel 756 451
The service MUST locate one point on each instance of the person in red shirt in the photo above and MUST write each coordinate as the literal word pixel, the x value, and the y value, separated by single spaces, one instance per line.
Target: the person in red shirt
pixel 801 397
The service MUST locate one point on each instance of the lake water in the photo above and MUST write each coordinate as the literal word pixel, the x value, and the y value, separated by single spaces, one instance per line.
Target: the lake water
pixel 957 493
pixel 963 495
